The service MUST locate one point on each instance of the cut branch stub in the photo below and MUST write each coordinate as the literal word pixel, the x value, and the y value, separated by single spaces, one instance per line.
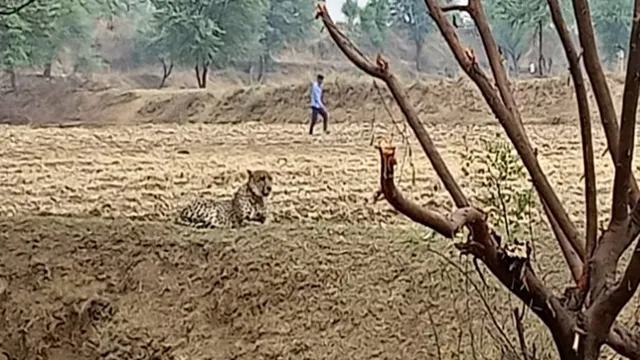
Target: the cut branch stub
pixel 446 226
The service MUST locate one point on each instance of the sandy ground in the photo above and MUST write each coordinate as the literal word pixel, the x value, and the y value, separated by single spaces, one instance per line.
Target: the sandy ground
pixel 92 268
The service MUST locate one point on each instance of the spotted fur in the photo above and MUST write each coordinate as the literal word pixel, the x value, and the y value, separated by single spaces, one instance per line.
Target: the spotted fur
pixel 247 204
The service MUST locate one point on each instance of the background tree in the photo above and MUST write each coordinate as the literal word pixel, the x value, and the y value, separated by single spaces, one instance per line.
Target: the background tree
pixel 375 19
pixel 612 22
pixel 186 30
pixel 287 22
pixel 22 32
pixel 514 38
pixel 411 16
pixel 351 11
pixel 71 29
pixel 154 48
pixel 202 35
pixel 583 319
pixel 242 24
pixel 524 16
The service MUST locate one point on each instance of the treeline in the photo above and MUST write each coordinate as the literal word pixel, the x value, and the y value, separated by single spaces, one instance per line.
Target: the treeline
pixel 215 34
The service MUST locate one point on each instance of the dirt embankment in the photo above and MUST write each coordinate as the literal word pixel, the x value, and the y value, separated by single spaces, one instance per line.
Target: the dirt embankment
pixel 83 289
pixel 349 99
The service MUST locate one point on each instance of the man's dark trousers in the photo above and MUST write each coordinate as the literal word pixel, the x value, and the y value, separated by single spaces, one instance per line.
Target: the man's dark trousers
pixel 314 118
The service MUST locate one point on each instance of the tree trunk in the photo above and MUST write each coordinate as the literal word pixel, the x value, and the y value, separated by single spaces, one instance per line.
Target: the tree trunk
pixel 202 77
pixel 261 61
pixel 540 55
pixel 205 70
pixel 14 80
pixel 419 47
pixel 166 72
pixel 514 61
pixel 47 70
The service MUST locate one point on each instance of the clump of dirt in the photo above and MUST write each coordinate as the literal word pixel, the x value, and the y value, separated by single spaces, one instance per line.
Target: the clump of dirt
pixel 349 99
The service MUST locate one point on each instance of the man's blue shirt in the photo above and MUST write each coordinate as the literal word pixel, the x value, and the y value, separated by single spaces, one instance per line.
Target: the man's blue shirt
pixel 316 95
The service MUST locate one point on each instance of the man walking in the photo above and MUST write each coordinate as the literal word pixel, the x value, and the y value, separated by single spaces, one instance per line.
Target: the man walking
pixel 317 107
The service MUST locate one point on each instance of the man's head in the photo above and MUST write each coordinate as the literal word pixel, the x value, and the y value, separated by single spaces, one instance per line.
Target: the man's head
pixel 320 78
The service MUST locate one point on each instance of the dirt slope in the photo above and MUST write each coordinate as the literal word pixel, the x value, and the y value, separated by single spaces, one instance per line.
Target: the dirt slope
pixel 87 289
pixel 349 99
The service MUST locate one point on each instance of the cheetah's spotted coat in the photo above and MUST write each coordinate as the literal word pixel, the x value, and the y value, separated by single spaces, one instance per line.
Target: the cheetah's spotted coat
pixel 247 204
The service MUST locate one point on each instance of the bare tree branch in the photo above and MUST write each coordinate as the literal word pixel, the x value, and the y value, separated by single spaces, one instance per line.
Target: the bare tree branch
pixel 628 123
pixel 572 258
pixel 448 8
pixel 599 85
pixel 380 71
pixel 584 318
pixel 585 129
pixel 17 9
pixel 624 229
pixel 495 59
pixel 511 124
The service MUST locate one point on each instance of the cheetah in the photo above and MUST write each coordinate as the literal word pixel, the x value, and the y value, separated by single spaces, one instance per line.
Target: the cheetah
pixel 247 204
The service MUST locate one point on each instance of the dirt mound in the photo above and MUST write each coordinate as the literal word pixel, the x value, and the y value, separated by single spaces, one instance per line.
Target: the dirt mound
pixel 95 289
pixel 349 99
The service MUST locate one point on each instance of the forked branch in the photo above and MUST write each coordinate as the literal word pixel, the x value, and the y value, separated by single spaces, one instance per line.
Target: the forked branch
pixel 600 87
pixel 510 267
pixel 505 110
pixel 628 123
pixel 624 229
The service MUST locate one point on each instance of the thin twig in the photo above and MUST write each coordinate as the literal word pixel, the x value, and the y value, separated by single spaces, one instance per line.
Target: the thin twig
pixel 16 9
pixel 484 300
pixel 435 333
pixel 520 330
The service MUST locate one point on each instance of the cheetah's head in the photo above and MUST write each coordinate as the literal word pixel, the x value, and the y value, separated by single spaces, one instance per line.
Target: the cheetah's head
pixel 260 182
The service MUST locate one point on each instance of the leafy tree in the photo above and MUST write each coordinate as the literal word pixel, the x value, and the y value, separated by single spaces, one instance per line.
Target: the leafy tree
pixel 513 38
pixel 71 29
pixel 612 22
pixel 351 11
pixel 524 16
pixel 187 32
pixel 287 21
pixel 35 34
pixel 150 48
pixel 375 19
pixel 206 34
pixel 242 24
pixel 22 32
pixel 412 16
